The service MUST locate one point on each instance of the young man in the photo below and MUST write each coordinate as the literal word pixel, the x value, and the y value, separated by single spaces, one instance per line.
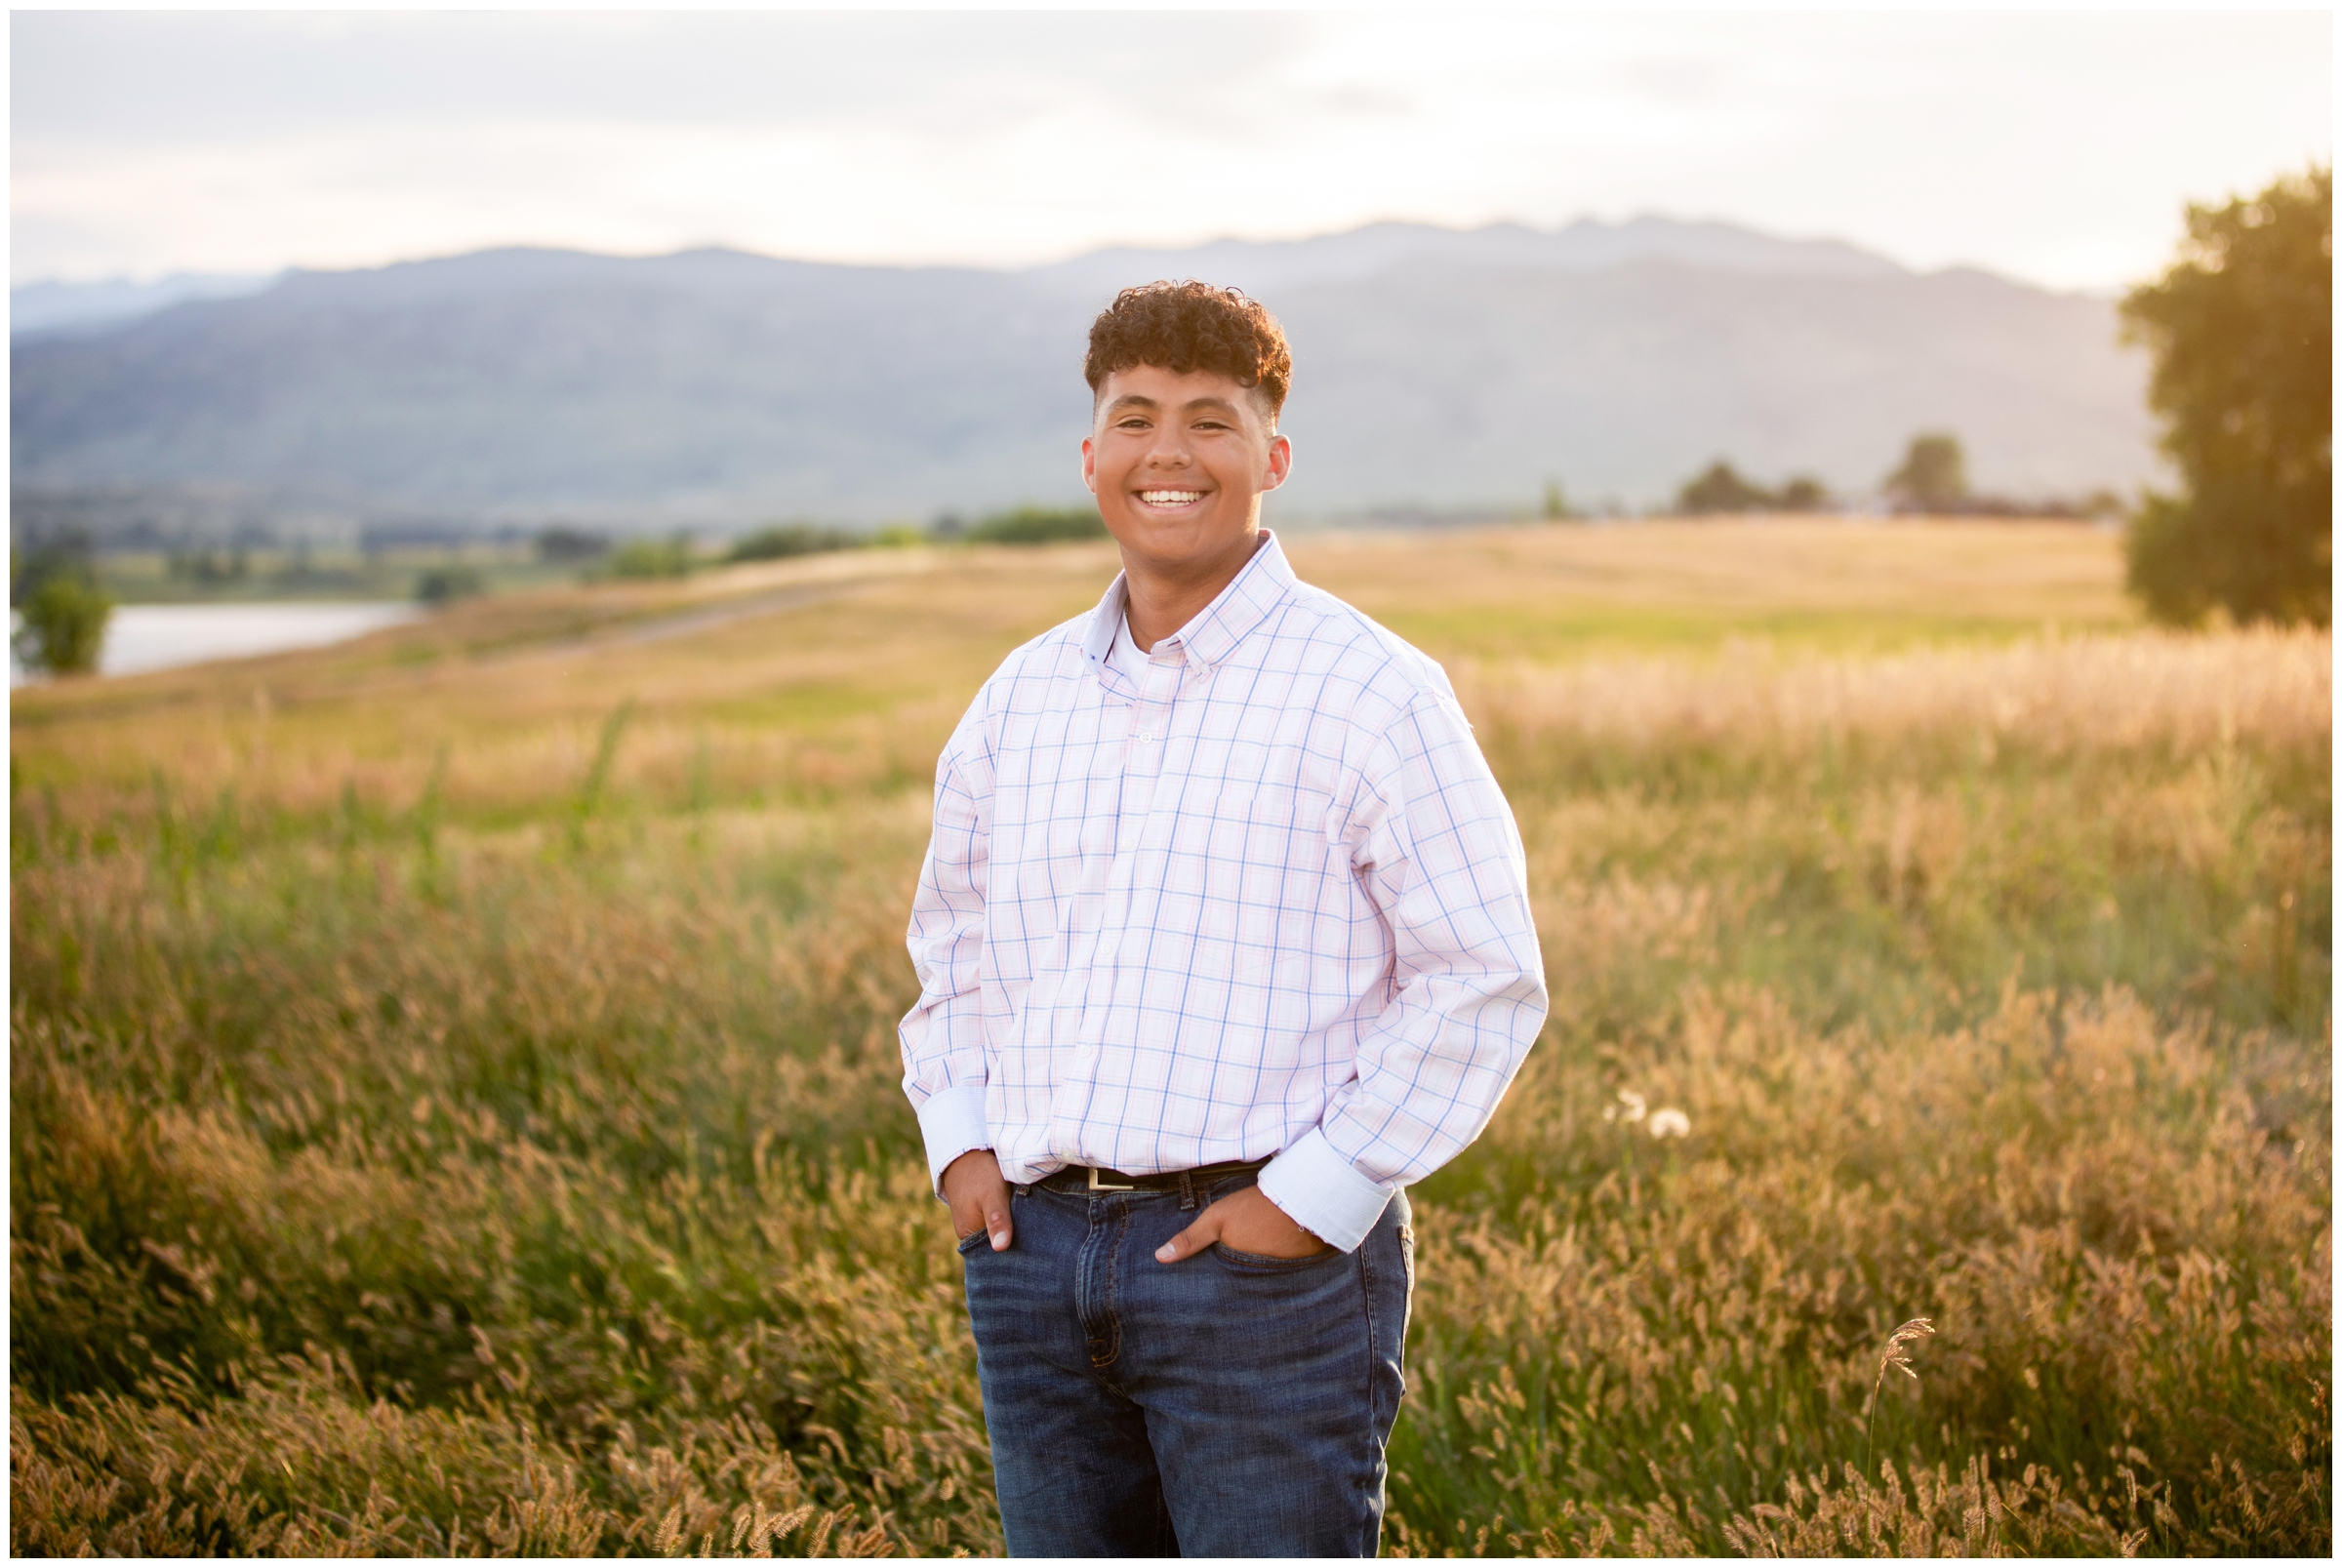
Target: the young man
pixel 1224 938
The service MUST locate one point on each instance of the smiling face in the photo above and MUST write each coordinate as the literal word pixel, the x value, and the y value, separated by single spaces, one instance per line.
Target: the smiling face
pixel 1179 464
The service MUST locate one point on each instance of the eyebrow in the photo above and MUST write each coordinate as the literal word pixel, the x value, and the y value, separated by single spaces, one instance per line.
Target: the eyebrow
pixel 1142 401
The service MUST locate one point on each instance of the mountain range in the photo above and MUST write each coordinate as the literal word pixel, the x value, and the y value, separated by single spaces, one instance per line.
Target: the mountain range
pixel 1436 371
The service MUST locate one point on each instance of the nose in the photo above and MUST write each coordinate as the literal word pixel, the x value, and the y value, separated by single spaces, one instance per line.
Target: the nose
pixel 1169 448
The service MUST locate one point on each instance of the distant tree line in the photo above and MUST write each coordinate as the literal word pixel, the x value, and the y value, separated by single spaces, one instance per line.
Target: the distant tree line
pixel 445 585
pixel 1932 480
pixel 206 566
pixel 1037 524
pixel 567 545
pixel 1719 488
pixel 785 539
pixel 676 555
pixel 2240 327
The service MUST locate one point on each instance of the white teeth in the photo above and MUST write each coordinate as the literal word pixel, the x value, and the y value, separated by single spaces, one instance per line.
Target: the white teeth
pixel 1170 498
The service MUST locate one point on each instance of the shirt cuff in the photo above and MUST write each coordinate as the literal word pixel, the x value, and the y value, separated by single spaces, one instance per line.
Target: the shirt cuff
pixel 1323 1192
pixel 952 1121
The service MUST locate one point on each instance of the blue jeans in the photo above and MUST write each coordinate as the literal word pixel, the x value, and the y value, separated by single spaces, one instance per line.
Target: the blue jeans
pixel 1224 1406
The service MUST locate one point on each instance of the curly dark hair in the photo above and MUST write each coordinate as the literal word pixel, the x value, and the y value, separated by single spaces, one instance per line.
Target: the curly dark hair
pixel 1190 326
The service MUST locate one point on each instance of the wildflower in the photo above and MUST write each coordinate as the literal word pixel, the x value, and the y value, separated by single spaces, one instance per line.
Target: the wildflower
pixel 1631 1102
pixel 1668 1122
pixel 1910 1333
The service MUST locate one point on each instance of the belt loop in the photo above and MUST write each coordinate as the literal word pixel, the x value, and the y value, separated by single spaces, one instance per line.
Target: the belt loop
pixel 1186 1190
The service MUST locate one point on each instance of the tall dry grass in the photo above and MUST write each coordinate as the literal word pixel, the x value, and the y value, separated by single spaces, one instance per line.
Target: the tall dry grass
pixel 2174 694
pixel 482 1149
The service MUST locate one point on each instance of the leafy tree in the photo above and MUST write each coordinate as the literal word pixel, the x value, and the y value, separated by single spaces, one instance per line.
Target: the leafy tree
pixel 445 585
pixel 1556 508
pixel 650 558
pixel 2241 327
pixel 1803 494
pixel 62 624
pixel 37 558
pixel 61 611
pixel 560 543
pixel 1934 476
pixel 1721 490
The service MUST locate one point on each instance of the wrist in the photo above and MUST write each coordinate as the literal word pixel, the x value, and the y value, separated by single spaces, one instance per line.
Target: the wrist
pixel 1285 1215
pixel 968 1165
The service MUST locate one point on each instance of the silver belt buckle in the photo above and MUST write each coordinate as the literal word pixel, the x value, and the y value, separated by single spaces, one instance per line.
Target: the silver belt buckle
pixel 1097 1185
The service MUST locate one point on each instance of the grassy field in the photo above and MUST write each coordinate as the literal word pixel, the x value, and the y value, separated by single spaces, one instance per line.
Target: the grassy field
pixel 455 1108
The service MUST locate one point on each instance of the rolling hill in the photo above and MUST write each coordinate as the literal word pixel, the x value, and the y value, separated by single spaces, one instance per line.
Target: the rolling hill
pixel 1437 369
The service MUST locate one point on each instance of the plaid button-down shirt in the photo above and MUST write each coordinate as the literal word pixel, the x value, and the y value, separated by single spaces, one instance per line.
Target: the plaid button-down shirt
pixel 1268 900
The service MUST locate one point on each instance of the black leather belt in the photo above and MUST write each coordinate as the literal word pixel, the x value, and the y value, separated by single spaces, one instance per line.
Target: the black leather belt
pixel 1092 1178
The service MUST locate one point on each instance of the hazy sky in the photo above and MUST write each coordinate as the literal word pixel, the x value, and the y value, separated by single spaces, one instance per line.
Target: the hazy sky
pixel 2058 148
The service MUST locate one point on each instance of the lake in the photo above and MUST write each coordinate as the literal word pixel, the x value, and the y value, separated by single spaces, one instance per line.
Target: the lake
pixel 159 636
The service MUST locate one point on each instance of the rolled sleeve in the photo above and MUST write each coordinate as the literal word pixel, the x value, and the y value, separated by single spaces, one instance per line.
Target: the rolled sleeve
pixel 951 1122
pixel 1323 1194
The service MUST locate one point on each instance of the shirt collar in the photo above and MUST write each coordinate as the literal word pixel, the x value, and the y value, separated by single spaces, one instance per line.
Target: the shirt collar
pixel 1264 583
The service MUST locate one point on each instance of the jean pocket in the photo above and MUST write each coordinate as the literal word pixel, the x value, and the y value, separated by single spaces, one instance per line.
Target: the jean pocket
pixel 1253 1263
pixel 967 1243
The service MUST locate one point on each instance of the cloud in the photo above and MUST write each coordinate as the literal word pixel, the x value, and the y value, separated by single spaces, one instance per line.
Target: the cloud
pixel 2046 146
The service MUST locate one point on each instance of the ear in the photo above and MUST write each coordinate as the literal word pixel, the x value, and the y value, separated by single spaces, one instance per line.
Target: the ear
pixel 1089 465
pixel 1280 461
